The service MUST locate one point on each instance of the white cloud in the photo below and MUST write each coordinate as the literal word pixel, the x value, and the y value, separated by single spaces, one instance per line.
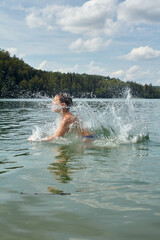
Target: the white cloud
pixel 95 17
pixel 142 53
pixel 111 27
pixel 88 19
pixel 42 65
pixel 93 20
pixel 34 21
pixel 139 11
pixel 67 70
pixel 117 74
pixel 158 81
pixel 135 72
pixel 132 72
pixel 89 45
pixel 97 20
pixel 14 51
pixel 93 69
pixel 43 17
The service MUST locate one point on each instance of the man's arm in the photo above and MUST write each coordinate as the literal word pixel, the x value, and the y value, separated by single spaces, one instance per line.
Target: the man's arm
pixel 63 128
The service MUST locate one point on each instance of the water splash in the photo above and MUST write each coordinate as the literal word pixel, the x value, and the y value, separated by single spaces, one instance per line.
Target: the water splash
pixel 39 132
pixel 112 121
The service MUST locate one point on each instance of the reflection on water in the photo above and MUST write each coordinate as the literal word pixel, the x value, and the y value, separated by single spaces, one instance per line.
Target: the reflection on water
pixel 61 168
pixel 64 164
pixel 53 190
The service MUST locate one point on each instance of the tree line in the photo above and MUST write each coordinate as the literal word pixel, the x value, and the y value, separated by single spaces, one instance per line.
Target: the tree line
pixel 18 79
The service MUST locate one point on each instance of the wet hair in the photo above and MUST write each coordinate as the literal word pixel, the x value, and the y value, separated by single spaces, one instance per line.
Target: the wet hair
pixel 65 98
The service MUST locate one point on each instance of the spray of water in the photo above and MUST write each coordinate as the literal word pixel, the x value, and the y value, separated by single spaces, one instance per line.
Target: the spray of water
pixel 111 121
pixel 114 121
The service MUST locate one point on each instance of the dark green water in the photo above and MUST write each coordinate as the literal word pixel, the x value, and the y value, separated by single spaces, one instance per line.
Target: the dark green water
pixel 75 190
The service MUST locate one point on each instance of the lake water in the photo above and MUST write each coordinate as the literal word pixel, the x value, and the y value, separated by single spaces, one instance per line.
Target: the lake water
pixel 71 189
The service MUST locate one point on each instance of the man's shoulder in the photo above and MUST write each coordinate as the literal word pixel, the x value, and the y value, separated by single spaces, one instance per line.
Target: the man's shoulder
pixel 67 117
pixel 70 118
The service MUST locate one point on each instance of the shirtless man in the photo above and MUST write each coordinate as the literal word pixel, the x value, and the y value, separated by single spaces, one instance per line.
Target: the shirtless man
pixel 62 103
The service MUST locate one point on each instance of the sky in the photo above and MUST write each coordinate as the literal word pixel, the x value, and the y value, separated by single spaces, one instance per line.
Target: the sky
pixel 116 38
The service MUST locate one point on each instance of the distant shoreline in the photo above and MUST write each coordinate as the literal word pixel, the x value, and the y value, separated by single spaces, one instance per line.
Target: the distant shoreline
pixel 18 79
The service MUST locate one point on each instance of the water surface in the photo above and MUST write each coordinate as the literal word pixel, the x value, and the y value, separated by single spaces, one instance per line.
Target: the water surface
pixel 72 189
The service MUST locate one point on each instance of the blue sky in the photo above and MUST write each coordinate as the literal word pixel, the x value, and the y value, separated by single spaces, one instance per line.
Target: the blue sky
pixel 106 37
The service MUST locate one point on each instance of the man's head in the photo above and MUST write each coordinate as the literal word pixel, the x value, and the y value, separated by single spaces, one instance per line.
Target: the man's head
pixel 63 100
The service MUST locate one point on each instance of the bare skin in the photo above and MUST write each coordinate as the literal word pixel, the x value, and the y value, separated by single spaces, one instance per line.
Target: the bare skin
pixel 67 119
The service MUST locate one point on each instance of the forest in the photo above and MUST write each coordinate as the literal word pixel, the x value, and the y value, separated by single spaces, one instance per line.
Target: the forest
pixel 18 79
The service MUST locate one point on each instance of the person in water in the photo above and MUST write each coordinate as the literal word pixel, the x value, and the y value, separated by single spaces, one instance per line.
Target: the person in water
pixel 61 104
